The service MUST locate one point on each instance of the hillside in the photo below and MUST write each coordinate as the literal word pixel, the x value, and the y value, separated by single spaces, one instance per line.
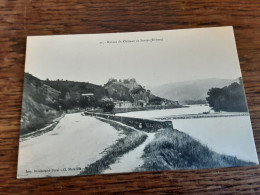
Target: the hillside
pixel 46 100
pixel 130 90
pixel 119 92
pixel 70 93
pixel 189 90
pixel 40 104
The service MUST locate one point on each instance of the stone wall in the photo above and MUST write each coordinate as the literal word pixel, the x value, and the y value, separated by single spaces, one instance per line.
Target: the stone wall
pixel 147 125
pixel 150 107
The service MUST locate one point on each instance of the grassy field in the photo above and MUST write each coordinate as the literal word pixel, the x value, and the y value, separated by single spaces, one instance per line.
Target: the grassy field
pixel 172 149
pixel 131 140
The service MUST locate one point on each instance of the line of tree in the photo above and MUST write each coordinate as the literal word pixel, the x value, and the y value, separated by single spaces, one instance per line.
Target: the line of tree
pixel 230 98
pixel 191 102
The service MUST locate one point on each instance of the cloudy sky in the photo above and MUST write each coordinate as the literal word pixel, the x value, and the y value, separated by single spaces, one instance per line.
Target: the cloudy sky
pixel 178 55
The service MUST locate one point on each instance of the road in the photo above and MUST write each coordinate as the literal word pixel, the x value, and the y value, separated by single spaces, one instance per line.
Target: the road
pixel 74 143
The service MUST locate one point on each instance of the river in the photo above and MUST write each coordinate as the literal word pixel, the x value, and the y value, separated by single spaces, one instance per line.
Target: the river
pixel 225 135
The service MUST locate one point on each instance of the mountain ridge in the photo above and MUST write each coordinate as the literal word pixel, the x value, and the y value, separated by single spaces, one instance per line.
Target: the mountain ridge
pixel 190 90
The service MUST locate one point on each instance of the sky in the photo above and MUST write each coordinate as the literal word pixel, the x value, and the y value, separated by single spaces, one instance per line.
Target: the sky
pixel 172 56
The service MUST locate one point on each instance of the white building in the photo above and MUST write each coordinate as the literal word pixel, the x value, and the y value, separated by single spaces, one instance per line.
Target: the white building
pixel 123 104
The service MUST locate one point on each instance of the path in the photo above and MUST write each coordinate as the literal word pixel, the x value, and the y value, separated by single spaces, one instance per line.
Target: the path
pixel 75 142
pixel 131 160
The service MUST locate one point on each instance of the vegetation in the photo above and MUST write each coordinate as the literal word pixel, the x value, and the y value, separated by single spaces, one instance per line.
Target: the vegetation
pixel 122 146
pixel 230 98
pixel 36 116
pixel 156 100
pixel 172 149
pixel 70 93
pixel 107 105
pixel 40 105
pixel 37 133
pixel 110 81
pixel 119 92
pixel 43 94
pixel 138 89
pixel 191 102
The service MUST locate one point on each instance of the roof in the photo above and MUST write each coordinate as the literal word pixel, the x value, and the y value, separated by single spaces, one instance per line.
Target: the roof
pixel 87 94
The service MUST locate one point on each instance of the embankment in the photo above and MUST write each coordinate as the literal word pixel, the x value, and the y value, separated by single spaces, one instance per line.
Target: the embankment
pixel 149 107
pixel 146 125
pixel 194 116
pixel 172 150
pixel 122 146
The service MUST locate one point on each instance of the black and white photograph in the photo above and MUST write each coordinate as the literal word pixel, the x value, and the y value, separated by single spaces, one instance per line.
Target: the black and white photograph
pixel 133 102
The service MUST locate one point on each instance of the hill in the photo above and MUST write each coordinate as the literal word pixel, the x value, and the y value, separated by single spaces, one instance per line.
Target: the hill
pixel 130 90
pixel 71 93
pixel 40 104
pixel 45 100
pixel 190 90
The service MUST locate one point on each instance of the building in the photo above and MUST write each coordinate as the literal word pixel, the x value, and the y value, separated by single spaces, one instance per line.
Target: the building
pixel 123 104
pixel 87 94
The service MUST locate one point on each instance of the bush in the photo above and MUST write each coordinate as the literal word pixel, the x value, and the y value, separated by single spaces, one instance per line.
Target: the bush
pixel 107 106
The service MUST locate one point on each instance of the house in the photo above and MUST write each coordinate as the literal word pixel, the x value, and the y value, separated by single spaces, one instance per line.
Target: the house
pixel 87 94
pixel 123 104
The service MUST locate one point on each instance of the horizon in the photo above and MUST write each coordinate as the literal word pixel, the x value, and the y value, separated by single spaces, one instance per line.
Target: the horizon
pixel 61 79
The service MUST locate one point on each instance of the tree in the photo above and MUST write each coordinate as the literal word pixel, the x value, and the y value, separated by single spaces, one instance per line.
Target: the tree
pixel 107 105
pixel 213 98
pixel 126 81
pixel 156 101
pixel 230 98
pixel 110 81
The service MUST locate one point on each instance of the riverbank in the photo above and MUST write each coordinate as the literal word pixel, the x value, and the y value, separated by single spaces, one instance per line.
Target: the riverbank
pixel 172 149
pixel 145 108
pixel 196 116
pixel 228 133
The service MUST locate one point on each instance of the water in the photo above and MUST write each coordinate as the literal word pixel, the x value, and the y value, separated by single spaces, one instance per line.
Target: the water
pixel 225 135
pixel 193 109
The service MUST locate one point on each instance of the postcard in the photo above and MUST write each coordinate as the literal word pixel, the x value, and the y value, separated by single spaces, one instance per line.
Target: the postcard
pixel 133 102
